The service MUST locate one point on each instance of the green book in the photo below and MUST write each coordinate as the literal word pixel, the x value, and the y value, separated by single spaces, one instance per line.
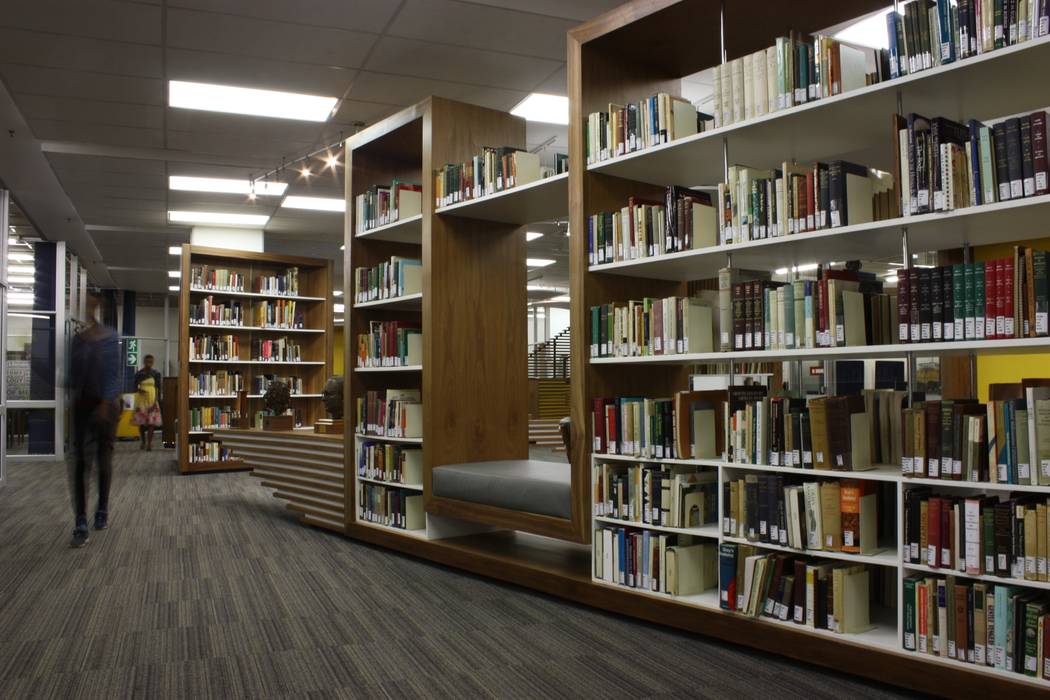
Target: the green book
pixel 789 316
pixel 959 300
pixel 1033 611
pixel 909 612
pixel 596 316
pixel 978 300
pixel 987 170
pixel 968 301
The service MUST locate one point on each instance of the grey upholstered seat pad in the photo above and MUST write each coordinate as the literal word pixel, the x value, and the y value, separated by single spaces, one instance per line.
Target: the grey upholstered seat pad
pixel 526 485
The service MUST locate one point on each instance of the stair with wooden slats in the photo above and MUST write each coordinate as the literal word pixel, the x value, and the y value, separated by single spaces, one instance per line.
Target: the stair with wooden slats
pixel 545 433
pixel 553 398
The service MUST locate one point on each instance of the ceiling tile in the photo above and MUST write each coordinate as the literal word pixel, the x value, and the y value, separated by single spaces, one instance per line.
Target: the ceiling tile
pixel 91 111
pixel 579 10
pixel 359 15
pixel 68 162
pixel 225 34
pixel 265 73
pixel 79 53
pixel 479 27
pixel 426 60
pixel 84 191
pixel 557 84
pixel 92 86
pixel 99 19
pixel 63 130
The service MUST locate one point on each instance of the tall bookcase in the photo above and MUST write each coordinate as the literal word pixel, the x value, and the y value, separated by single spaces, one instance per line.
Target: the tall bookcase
pixel 471 309
pixel 312 333
pixel 613 60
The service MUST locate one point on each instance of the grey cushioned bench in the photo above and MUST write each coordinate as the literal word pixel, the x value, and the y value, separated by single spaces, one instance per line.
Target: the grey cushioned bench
pixel 526 485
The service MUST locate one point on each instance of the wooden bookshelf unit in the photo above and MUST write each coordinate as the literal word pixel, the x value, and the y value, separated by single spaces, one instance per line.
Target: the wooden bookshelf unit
pixel 310 329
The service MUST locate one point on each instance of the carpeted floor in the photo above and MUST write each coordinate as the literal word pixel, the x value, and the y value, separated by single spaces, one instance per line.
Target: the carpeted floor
pixel 205 587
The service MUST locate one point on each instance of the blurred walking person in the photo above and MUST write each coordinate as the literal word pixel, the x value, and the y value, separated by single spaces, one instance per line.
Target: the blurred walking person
pixel 93 382
pixel 147 402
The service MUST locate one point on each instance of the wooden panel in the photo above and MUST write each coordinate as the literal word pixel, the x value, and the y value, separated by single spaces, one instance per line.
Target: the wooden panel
pixel 271 472
pixel 287 491
pixel 326 506
pixel 275 480
pixel 545 525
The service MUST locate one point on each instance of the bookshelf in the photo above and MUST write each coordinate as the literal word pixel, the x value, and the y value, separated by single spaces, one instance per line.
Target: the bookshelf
pixel 312 333
pixel 609 62
pixel 473 399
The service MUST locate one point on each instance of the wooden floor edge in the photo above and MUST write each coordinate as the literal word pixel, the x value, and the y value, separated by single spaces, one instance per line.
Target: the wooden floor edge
pixel 905 670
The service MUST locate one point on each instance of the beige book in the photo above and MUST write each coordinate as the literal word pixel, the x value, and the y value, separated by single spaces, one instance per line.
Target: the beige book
pixel 855 602
pixel 860 442
pixel 414 355
pixel 1041 542
pixel 697 326
pixel 409 203
pixel 855 330
pixel 526 168
pixel 691 569
pixel 771 79
pixel 683 118
pixel 705 225
pixel 716 94
pixel 814 524
pixel 831 515
pixel 415 518
pixel 736 68
pixel 749 85
pixel 412 467
pixel 727 94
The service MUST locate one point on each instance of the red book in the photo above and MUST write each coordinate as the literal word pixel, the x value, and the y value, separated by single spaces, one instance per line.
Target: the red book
pixel 947 530
pixel 1006 282
pixel 933 532
pixel 598 424
pixel 913 303
pixel 811 204
pixel 1041 166
pixel 612 438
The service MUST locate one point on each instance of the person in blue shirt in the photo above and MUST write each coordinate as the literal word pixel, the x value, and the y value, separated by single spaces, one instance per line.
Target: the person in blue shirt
pixel 94 394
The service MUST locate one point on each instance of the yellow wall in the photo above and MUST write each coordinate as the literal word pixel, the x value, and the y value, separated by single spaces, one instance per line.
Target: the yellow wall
pixel 994 369
pixel 337 351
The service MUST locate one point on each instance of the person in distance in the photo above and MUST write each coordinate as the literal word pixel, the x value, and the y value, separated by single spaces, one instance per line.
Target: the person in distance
pixel 147 402
pixel 93 382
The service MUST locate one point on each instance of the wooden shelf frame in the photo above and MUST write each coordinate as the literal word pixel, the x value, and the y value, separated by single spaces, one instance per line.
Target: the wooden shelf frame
pixel 315 304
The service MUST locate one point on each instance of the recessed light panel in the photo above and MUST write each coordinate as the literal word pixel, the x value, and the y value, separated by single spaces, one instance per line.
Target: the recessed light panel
pixel 250 101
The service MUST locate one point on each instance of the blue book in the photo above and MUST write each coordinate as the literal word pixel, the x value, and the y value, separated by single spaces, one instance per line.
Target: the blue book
pixel 947 41
pixel 892 19
pixel 621 546
pixel 644 573
pixel 727 576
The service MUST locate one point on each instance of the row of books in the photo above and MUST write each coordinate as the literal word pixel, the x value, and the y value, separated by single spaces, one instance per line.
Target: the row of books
pixel 264 314
pixel 795 70
pixel 390 413
pixel 945 165
pixel 683 220
pixel 660 118
pixel 217 278
pixel 493 170
pixel 978 622
pixel 213 417
pixel 754 204
pixel 1005 440
pixel 836 515
pixel 656 494
pixel 678 565
pixel 667 326
pixel 682 427
pixel 816 593
pixel 208 451
pixel 931 33
pixel 284 283
pixel 397 464
pixel 276 350
pixel 977 535
pixel 390 506
pixel 262 382
pixel 219 382
pixel 277 314
pixel 214 347
pixel 208 312
pixel 389 279
pixel 390 344
pixel 380 205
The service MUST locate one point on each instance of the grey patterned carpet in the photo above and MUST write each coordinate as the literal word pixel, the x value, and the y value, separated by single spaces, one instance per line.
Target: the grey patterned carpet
pixel 205 587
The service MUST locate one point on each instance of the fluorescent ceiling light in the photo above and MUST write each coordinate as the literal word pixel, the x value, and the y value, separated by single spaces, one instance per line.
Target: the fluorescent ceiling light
pixel 20 257
pixel 532 235
pixel 337 292
pixel 562 297
pixel 175 250
pixel 173 288
pixel 258 103
pixel 541 288
pixel 337 320
pixel 226 185
pixel 891 279
pixel 797 268
pixel 174 274
pixel 540 107
pixel 538 262
pixel 205 217
pixel 21 279
pixel 338 308
pixel 21 269
pixel 31 316
pixel 870 31
pixel 315 203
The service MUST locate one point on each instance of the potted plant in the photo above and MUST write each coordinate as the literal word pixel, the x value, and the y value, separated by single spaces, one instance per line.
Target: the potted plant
pixel 278 399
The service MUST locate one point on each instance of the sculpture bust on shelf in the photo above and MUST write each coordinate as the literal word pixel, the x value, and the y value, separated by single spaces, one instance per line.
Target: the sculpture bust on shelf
pixel 332 395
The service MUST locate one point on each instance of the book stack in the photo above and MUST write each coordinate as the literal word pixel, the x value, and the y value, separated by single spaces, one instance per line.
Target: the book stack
pixel 686 426
pixel 755 204
pixel 944 165
pixel 820 594
pixel 277 314
pixel 383 461
pixel 932 33
pixel 390 413
pixel 285 283
pixel 276 350
pixel 218 382
pixel 392 507
pixel 387 280
pixel 493 170
pixel 390 344
pixel 212 417
pixel 668 326
pixel 262 382
pixel 679 565
pixel 838 515
pixel 658 119
pixel 214 347
pixel 219 279
pixel 209 451
pixel 209 313
pixel 683 220
pixel 794 71
pixel 656 494
pixel 978 622
pixel 381 205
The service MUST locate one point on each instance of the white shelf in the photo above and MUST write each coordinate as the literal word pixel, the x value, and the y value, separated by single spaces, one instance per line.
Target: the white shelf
pixel 203 432
pixel 705 531
pixel 253 295
pixel 401 368
pixel 250 396
pixel 256 362
pixel 420 534
pixel 384 438
pixel 884 558
pixel 977 485
pixel 407 230
pixel 407 301
pixel 854 125
pixel 984 347
pixel 879 473
pixel 542 200
pixel 392 484
pixel 265 329
pixel 654 460
pixel 999 222
pixel 1002 580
